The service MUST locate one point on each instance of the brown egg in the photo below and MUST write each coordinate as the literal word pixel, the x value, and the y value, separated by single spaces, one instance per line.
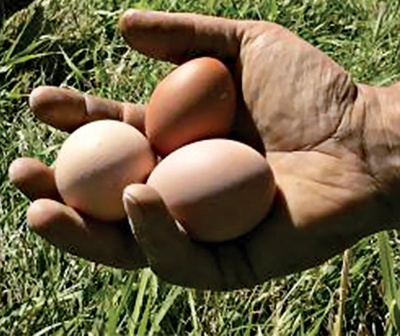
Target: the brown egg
pixel 97 162
pixel 196 101
pixel 217 189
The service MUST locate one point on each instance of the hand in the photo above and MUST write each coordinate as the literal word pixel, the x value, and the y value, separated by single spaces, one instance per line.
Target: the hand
pixel 333 147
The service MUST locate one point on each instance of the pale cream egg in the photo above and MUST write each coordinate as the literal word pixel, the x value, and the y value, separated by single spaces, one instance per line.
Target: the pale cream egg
pixel 217 189
pixel 97 162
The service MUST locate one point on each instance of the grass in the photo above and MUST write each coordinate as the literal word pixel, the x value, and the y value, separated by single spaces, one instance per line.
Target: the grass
pixel 45 291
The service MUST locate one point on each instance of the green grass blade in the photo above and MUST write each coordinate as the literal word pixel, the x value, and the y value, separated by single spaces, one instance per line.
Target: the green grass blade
pixel 145 318
pixel 385 253
pixel 378 24
pixel 46 331
pixel 169 301
pixel 389 280
pixel 193 314
pixel 151 298
pixel 19 60
pixel 317 328
pixel 273 10
pixel 338 324
pixel 116 312
pixel 72 66
pixel 395 314
pixel 144 278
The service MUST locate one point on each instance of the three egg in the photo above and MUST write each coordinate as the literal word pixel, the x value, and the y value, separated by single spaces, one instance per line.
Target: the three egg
pixel 217 189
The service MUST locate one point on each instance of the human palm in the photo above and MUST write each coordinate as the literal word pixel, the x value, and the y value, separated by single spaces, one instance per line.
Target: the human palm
pixel 324 137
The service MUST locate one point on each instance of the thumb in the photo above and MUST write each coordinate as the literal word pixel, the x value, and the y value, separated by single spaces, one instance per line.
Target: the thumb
pixel 170 252
pixel 178 37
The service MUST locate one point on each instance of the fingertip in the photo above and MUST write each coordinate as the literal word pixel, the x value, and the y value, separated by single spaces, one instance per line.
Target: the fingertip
pixel 136 17
pixel 137 26
pixel 40 214
pixel 37 96
pixel 15 169
pixel 146 210
pixel 126 19
pixel 130 196
pixel 22 170
pixel 53 220
pixel 33 178
pixel 140 191
pixel 59 107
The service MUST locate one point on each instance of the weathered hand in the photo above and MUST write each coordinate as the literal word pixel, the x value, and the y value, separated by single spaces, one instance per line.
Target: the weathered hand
pixel 333 147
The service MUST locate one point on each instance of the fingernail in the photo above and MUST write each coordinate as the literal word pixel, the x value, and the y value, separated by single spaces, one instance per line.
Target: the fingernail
pixel 129 16
pixel 132 207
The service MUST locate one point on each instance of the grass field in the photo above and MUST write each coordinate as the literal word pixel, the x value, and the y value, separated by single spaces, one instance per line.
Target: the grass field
pixel 44 291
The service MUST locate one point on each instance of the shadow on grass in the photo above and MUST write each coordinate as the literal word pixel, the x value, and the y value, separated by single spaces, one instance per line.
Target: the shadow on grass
pixel 9 7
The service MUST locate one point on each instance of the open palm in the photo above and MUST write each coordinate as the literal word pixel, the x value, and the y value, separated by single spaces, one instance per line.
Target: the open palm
pixel 329 156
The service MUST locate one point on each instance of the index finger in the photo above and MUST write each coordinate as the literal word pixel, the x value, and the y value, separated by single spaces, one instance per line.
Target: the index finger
pixel 178 37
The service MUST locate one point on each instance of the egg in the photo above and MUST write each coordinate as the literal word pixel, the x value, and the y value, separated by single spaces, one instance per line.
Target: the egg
pixel 217 189
pixel 196 101
pixel 97 162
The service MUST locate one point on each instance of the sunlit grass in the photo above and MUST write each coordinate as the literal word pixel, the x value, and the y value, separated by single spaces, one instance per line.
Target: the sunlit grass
pixel 45 291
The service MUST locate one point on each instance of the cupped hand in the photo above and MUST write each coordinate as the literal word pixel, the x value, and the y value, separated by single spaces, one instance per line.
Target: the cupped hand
pixel 333 147
pixel 112 244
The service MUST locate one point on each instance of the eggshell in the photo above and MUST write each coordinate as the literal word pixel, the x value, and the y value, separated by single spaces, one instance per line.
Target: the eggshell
pixel 217 189
pixel 97 162
pixel 196 101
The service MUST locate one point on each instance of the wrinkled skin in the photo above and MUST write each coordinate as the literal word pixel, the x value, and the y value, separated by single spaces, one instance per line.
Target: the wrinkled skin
pixel 333 146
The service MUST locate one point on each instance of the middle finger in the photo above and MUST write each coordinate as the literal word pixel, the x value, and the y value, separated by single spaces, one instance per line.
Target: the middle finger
pixel 67 109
